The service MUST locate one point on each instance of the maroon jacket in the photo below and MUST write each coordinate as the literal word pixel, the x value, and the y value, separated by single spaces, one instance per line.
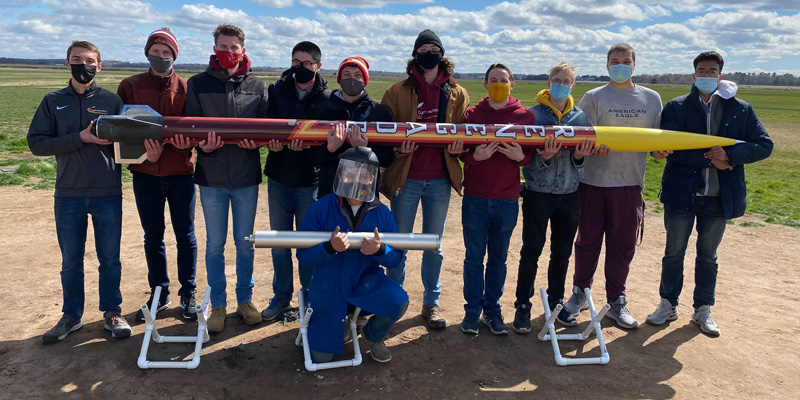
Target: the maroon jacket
pixel 497 177
pixel 166 95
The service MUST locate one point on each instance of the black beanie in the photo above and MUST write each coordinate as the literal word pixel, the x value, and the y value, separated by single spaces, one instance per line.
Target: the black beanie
pixel 426 37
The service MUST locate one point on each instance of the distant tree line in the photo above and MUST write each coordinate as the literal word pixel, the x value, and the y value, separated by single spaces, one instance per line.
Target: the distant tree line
pixel 741 78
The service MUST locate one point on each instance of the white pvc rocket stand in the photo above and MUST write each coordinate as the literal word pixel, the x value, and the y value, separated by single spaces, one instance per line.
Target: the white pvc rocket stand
pixel 151 331
pixel 548 332
pixel 302 339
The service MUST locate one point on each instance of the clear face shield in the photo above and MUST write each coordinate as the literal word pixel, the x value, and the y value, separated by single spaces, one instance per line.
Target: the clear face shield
pixel 356 180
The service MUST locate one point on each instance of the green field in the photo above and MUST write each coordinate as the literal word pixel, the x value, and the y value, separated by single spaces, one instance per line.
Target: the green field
pixel 773 184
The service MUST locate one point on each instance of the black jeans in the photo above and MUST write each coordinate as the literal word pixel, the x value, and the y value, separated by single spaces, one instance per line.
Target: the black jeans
pixel 563 211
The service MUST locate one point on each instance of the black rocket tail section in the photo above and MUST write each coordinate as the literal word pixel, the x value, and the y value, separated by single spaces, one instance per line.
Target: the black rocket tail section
pixel 129 130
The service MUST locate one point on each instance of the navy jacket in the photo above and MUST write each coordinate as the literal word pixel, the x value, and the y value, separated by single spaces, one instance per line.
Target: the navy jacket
pixel 84 169
pixel 336 109
pixel 349 277
pixel 294 168
pixel 683 175
pixel 214 93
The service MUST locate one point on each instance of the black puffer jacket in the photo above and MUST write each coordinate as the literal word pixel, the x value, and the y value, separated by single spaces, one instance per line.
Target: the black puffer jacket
pixel 294 168
pixel 214 93
pixel 337 109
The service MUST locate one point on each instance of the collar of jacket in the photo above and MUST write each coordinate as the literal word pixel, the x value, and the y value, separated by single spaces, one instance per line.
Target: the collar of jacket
pixel 163 81
pixel 544 98
pixel 355 220
pixel 337 103
pixel 92 89
pixel 412 82
pixel 287 81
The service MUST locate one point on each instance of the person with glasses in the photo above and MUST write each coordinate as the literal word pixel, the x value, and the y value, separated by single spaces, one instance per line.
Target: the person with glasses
pixel 425 173
pixel 551 196
pixel 293 170
pixel 706 185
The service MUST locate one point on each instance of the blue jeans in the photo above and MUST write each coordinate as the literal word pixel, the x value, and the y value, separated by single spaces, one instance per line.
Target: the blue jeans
pixel 487 225
pixel 435 197
pixel 710 228
pixel 287 205
pixel 71 215
pixel 242 202
pixel 152 192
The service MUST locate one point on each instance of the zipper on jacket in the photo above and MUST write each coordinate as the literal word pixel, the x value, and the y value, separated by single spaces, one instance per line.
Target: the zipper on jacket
pixel 708 132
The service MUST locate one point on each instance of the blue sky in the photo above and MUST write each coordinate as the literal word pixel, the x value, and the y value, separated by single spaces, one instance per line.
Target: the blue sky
pixel 527 35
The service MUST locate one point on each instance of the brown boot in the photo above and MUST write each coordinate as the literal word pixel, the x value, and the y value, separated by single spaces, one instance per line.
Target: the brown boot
pixel 249 312
pixel 434 317
pixel 216 321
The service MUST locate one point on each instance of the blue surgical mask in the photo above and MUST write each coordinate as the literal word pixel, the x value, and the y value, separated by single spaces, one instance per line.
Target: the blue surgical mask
pixel 620 73
pixel 706 85
pixel 559 91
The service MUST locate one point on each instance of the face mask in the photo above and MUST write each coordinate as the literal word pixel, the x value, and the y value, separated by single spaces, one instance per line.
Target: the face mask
pixel 352 87
pixel 83 73
pixel 499 91
pixel 302 74
pixel 620 73
pixel 559 91
pixel 429 60
pixel 160 64
pixel 228 59
pixel 705 85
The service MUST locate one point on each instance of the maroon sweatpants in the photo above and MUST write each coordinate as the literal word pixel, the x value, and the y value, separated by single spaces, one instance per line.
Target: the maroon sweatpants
pixel 616 212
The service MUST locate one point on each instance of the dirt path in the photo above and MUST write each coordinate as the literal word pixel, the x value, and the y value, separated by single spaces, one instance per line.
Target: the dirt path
pixel 757 355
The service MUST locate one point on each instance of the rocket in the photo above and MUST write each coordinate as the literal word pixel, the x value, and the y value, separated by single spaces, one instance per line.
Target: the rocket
pixel 137 123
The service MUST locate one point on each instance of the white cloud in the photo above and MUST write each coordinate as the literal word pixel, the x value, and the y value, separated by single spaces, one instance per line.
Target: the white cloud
pixel 338 4
pixel 275 3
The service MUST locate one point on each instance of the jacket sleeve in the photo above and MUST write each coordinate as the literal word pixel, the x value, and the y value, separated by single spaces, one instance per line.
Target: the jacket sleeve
pixel 389 101
pixel 758 144
pixel 390 258
pixel 262 111
pixel 193 108
pixel 43 139
pixel 670 120
pixel 317 255
pixel 460 106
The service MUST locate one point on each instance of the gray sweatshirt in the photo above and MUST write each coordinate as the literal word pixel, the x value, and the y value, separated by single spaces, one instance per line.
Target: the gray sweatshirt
pixel 608 106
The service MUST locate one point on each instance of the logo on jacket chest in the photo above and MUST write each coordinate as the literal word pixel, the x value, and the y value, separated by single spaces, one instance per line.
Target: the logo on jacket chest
pixel 95 110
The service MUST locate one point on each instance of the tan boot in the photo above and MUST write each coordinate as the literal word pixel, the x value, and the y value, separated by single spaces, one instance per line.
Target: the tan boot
pixel 249 312
pixel 216 321
pixel 434 317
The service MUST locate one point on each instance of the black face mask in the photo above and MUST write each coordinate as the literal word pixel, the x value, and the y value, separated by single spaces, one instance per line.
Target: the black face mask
pixel 160 64
pixel 83 73
pixel 352 87
pixel 429 60
pixel 302 74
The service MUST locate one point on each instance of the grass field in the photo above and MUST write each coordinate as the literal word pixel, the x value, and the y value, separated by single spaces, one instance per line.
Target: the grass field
pixel 773 184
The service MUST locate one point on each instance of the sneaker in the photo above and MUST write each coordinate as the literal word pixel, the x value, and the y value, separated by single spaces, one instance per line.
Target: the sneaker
pixel 620 313
pixel 249 313
pixel 379 351
pixel 434 317
pixel 162 305
pixel 577 302
pixel 522 319
pixel 495 324
pixel 116 324
pixel 702 317
pixel 189 306
pixel 216 321
pixel 64 327
pixel 275 308
pixel 564 317
pixel 470 323
pixel 665 312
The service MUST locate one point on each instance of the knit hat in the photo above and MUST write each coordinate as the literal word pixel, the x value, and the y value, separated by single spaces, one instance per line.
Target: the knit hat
pixel 162 36
pixel 355 62
pixel 426 37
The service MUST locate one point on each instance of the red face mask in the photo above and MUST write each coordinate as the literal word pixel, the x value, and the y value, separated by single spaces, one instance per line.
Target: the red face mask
pixel 228 59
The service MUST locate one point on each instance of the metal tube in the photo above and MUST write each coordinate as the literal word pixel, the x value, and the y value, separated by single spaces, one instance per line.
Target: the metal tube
pixel 304 240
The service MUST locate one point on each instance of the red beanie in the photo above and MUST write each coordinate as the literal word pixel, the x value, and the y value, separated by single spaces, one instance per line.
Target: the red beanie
pixel 354 62
pixel 162 36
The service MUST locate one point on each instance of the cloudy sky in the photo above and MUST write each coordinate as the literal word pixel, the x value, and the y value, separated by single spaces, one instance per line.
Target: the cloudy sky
pixel 528 35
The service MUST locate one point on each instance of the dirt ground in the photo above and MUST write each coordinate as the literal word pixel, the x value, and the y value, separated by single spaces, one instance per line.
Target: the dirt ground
pixel 757 355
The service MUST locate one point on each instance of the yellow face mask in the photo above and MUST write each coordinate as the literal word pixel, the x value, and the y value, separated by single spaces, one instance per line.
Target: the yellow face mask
pixel 499 91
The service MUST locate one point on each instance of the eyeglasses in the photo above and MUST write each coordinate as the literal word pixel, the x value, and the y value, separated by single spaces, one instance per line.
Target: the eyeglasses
pixel 565 82
pixel 305 64
pixel 434 50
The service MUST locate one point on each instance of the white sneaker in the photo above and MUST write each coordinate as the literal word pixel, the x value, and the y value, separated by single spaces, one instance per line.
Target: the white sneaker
pixel 577 302
pixel 702 317
pixel 620 313
pixel 665 312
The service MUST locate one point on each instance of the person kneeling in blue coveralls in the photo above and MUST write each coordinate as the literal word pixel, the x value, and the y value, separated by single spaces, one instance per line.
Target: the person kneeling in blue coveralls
pixel 345 278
